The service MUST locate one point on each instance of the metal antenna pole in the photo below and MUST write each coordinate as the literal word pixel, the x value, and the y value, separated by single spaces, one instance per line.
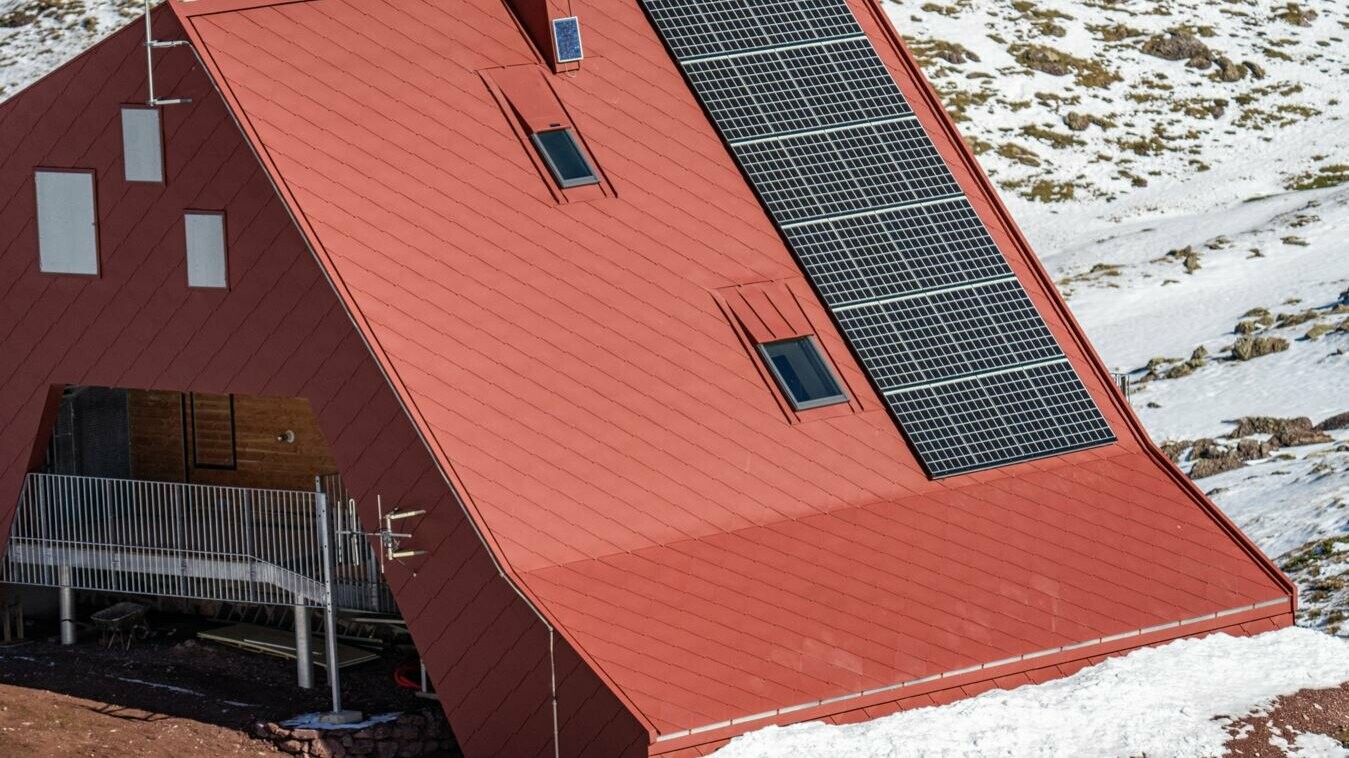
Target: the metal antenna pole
pixel 337 716
pixel 329 612
pixel 150 44
pixel 149 54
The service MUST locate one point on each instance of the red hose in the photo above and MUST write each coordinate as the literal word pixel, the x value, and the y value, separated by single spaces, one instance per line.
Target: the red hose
pixel 408 677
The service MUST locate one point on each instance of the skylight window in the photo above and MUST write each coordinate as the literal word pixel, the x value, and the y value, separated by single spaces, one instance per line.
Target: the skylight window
pixel 801 372
pixel 568 164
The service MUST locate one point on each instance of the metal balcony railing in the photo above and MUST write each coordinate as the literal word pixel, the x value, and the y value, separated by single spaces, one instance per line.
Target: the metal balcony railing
pixel 204 542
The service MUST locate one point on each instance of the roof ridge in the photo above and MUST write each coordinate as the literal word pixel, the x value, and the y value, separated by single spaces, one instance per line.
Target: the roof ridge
pixel 188 8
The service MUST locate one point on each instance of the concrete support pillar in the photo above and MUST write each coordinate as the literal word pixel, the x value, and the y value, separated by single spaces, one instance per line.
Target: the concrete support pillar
pixel 304 648
pixel 67 603
pixel 330 647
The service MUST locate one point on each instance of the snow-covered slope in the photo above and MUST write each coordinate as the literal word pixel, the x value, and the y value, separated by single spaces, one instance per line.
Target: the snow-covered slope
pixel 1073 96
pixel 36 36
pixel 1182 218
pixel 1181 699
pixel 1194 211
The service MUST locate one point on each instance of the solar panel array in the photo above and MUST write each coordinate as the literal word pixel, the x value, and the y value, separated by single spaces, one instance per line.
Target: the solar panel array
pixel 797 88
pixel 907 249
pixel 717 27
pixel 877 220
pixel 844 170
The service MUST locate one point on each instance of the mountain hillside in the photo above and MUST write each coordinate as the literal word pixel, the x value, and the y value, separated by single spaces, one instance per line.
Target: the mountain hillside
pixel 1182 168
pixel 36 36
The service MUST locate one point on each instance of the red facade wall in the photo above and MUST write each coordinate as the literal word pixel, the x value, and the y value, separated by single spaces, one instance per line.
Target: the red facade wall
pixel 278 331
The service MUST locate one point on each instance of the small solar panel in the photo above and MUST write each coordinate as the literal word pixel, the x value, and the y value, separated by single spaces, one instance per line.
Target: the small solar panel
pixel 779 91
pixel 935 337
pixel 846 170
pixel 919 289
pixel 988 421
pixel 695 28
pixel 876 255
pixel 567 39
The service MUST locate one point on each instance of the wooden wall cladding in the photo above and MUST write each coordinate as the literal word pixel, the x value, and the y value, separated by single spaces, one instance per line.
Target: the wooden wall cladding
pixel 166 445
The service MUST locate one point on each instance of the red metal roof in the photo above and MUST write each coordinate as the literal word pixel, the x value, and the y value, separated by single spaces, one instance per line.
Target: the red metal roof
pixel 569 362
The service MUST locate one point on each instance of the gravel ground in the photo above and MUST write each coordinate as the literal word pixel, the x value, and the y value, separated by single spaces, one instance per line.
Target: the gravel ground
pixel 42 724
pixel 1310 712
pixel 170 695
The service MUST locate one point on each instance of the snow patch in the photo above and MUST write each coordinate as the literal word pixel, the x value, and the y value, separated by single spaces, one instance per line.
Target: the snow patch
pixel 1173 700
pixel 314 721
pixel 36 36
pixel 1284 504
pixel 157 685
pixel 1310 746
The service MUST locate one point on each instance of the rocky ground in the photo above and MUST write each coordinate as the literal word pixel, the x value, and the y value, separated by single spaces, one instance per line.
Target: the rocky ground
pixel 36 36
pixel 1309 723
pixel 39 723
pixel 1180 168
pixel 1071 100
pixel 173 695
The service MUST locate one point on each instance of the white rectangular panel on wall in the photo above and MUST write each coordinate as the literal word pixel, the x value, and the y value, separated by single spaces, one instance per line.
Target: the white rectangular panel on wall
pixel 206 250
pixel 142 148
pixel 67 222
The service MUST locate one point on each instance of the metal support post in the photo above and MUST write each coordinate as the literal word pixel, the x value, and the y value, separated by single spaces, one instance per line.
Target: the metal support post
pixel 304 648
pixel 425 691
pixel 67 603
pixel 337 715
pixel 150 44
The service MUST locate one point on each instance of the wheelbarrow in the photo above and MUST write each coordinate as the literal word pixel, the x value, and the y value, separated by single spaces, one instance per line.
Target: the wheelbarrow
pixel 123 621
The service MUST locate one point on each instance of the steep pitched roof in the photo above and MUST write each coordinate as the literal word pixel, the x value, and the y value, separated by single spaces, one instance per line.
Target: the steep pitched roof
pixel 572 364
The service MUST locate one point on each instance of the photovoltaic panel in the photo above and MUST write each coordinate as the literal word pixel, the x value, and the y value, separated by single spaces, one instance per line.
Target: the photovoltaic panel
pixel 920 291
pixel 778 91
pixel 567 39
pixel 947 334
pixel 846 170
pixel 877 255
pixel 694 28
pixel 966 425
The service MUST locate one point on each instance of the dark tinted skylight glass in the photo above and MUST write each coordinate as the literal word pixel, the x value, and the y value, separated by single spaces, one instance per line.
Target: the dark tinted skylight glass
pixel 564 158
pixel 802 373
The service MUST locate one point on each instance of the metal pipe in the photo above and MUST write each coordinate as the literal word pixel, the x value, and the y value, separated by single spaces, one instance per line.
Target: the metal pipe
pixel 149 56
pixel 329 609
pixel 552 681
pixel 304 651
pixel 67 603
